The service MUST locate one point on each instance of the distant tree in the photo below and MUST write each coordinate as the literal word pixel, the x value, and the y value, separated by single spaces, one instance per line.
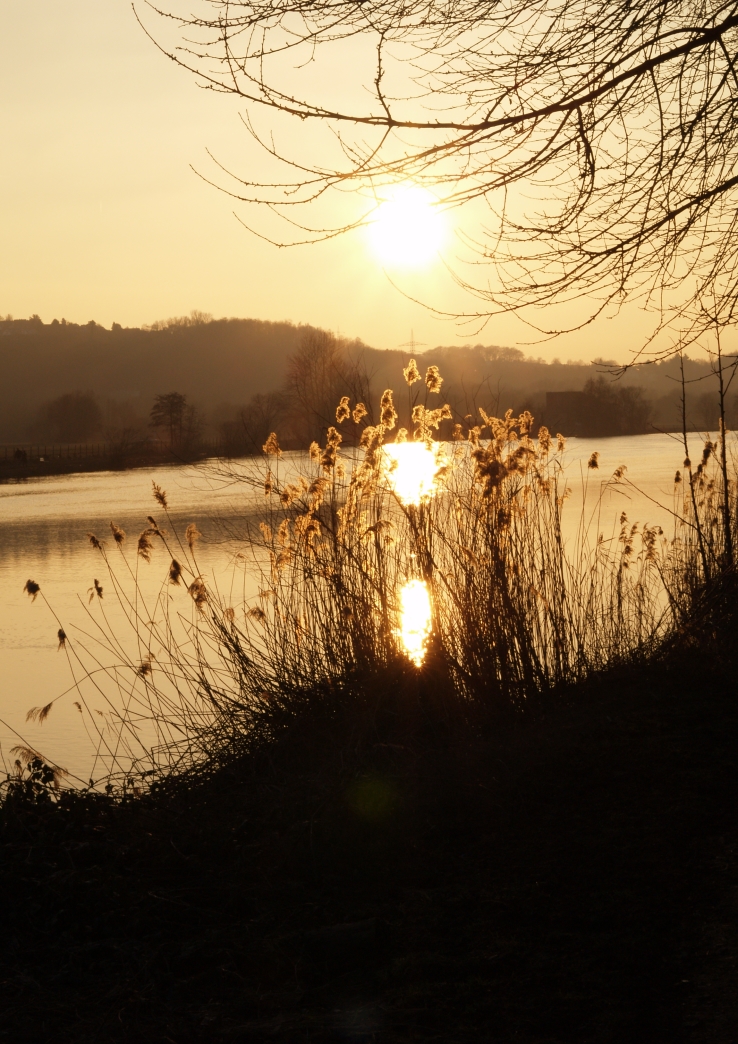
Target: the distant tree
pixel 123 424
pixel 731 412
pixel 618 409
pixel 178 419
pixel 74 417
pixel 195 318
pixel 703 411
pixel 168 415
pixel 635 410
pixel 191 429
pixel 265 412
pixel 322 370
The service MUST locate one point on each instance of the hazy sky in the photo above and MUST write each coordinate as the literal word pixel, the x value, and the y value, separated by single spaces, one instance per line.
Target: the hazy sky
pixel 103 218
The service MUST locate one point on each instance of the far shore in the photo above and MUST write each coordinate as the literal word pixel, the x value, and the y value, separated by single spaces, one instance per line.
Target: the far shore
pixel 23 461
pixel 69 460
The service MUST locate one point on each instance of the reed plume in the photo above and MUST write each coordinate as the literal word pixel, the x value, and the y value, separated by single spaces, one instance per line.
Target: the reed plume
pixel 160 496
pixel 271 446
pixel 31 588
pixel 145 547
pixel 192 535
pixel 118 534
pixel 433 380
pixel 411 373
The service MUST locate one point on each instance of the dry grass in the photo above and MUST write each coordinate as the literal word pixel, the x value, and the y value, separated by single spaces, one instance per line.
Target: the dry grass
pixel 518 611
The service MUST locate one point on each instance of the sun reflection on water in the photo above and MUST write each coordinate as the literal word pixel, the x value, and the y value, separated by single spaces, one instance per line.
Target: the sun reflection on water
pixel 415 616
pixel 412 470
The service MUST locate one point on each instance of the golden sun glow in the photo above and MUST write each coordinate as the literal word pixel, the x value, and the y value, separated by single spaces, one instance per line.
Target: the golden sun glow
pixel 415 610
pixel 408 229
pixel 411 470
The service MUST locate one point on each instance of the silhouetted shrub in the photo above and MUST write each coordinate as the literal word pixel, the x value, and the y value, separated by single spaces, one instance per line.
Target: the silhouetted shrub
pixel 74 417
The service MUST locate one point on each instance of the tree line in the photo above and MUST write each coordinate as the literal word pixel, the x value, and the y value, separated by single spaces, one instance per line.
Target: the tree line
pixel 326 369
pixel 322 368
pixel 79 416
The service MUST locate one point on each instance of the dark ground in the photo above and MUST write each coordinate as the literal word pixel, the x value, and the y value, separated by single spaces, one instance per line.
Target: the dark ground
pixel 567 880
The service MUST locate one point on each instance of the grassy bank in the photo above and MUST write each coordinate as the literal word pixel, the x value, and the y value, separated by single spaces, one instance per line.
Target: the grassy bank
pixel 364 872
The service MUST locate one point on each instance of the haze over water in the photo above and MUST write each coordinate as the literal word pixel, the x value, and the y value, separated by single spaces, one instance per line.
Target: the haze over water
pixel 43 537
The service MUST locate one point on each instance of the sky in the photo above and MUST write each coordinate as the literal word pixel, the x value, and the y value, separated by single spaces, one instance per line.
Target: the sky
pixel 102 216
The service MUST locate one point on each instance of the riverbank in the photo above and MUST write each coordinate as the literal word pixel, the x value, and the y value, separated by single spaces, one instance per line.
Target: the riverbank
pixel 571 878
pixel 40 462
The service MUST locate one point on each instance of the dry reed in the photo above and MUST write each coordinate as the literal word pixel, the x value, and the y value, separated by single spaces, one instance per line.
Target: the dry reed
pixel 518 612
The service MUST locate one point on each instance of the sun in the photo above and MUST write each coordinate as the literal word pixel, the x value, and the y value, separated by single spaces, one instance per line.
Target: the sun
pixel 408 229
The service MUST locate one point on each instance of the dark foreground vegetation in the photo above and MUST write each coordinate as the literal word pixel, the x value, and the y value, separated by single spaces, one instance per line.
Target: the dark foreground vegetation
pixel 530 837
pixel 367 868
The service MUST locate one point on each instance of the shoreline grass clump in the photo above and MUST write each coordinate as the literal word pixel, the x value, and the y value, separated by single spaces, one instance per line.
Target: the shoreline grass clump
pixel 524 601
pixel 519 609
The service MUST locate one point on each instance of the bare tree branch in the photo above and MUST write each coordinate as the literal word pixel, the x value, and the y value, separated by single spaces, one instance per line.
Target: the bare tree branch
pixel 601 137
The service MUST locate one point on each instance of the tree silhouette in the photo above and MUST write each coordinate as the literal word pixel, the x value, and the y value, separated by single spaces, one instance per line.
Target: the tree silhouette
pixel 247 433
pixel 600 136
pixel 74 417
pixel 168 412
pixel 322 370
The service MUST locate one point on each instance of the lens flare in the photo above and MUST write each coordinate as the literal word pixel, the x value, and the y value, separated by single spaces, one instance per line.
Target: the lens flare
pixel 411 470
pixel 415 616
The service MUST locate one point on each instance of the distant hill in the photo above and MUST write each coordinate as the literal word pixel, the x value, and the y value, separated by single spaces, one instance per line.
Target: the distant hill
pixel 220 364
pixel 499 378
pixel 223 360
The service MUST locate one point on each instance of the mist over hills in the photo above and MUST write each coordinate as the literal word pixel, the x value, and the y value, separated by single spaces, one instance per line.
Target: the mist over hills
pixel 221 364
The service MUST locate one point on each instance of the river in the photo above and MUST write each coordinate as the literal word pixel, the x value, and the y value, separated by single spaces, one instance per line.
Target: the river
pixel 43 537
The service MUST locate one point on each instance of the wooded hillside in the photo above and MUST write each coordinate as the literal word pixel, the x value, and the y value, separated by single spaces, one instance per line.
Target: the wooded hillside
pixel 221 364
